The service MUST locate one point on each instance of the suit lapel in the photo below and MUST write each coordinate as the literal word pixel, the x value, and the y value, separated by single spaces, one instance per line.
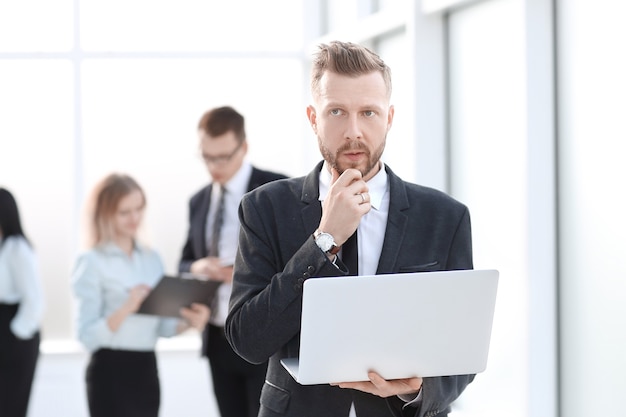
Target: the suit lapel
pixel 396 220
pixel 312 210
pixel 396 225
pixel 254 182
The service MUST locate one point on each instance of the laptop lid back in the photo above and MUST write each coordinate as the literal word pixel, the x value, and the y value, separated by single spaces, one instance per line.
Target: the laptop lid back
pixel 399 325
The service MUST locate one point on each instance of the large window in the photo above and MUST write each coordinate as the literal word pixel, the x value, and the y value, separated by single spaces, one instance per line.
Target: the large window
pixel 90 87
pixel 120 86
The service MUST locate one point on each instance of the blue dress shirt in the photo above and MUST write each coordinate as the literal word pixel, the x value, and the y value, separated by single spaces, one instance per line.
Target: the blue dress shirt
pixel 102 280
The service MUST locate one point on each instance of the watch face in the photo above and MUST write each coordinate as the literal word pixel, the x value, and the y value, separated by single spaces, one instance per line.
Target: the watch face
pixel 325 241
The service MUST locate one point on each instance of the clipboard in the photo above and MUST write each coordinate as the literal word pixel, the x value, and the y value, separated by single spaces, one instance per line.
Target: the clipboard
pixel 174 292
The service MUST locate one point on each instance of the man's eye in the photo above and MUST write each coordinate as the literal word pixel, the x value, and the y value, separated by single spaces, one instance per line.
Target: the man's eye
pixel 368 113
pixel 335 112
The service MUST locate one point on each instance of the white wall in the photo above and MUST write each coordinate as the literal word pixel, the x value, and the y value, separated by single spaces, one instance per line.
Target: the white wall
pixel 37 166
pixel 592 101
pixel 488 165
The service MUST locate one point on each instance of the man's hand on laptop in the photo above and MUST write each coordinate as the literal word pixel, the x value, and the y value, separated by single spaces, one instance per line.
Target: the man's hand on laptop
pixel 377 385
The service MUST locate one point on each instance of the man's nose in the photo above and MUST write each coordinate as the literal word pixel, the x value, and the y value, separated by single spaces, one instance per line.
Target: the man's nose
pixel 353 128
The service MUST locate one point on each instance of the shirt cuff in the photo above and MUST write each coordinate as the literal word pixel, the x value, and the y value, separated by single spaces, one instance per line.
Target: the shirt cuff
pixel 411 400
pixel 22 331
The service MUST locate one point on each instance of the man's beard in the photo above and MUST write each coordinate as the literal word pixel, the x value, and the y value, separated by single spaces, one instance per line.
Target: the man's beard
pixel 371 159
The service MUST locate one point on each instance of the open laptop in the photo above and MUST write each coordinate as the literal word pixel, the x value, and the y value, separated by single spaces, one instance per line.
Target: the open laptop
pixel 399 325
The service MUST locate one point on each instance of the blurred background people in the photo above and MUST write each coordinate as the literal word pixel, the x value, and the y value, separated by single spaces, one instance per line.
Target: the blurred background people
pixel 21 310
pixel 110 281
pixel 210 251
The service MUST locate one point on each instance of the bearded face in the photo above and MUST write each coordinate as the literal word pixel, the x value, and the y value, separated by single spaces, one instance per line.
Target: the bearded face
pixel 365 165
pixel 351 117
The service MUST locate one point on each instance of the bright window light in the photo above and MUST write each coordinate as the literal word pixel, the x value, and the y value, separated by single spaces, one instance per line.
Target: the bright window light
pixel 191 25
pixel 36 25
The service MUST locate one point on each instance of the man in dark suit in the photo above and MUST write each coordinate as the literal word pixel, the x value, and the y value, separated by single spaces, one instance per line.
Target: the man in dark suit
pixel 210 251
pixel 305 227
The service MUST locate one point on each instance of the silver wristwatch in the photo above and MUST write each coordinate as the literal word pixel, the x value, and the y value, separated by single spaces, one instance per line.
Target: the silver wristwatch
pixel 326 242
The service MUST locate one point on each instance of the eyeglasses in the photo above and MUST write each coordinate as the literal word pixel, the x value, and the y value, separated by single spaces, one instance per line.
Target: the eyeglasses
pixel 220 159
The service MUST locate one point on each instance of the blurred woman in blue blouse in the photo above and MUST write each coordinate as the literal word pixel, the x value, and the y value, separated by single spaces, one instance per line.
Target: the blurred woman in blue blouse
pixel 110 282
pixel 21 310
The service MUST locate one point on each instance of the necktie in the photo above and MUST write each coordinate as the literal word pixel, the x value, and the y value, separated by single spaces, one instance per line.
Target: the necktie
pixel 350 254
pixel 218 221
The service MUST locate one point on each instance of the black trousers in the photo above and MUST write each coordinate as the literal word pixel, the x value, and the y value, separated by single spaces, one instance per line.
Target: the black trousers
pixel 123 383
pixel 237 383
pixel 18 360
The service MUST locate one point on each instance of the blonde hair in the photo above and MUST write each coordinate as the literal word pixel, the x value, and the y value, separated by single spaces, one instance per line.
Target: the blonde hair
pixel 103 204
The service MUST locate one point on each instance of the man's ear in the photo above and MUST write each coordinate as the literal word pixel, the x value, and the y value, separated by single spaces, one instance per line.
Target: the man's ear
pixel 390 117
pixel 312 116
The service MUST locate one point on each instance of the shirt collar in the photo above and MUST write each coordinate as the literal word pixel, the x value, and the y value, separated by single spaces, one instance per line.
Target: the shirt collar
pixel 111 248
pixel 377 185
pixel 238 184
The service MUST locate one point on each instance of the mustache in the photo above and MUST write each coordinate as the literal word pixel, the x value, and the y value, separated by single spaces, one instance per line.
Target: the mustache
pixel 353 146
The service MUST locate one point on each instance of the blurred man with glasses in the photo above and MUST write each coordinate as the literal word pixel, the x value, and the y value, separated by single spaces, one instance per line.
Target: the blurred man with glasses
pixel 211 247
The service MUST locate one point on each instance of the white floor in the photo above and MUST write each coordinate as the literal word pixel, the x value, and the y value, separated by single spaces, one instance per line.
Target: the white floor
pixel 186 391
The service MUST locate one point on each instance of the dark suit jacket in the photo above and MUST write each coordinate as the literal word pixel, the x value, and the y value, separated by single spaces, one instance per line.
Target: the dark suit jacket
pixel 195 245
pixel 426 231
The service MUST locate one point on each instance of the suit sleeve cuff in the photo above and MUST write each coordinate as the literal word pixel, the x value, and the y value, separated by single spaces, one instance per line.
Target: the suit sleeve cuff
pixel 411 400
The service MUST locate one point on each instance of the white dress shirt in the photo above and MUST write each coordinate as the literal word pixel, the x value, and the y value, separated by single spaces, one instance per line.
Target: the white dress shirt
pixel 371 230
pixel 370 233
pixel 236 187
pixel 20 283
